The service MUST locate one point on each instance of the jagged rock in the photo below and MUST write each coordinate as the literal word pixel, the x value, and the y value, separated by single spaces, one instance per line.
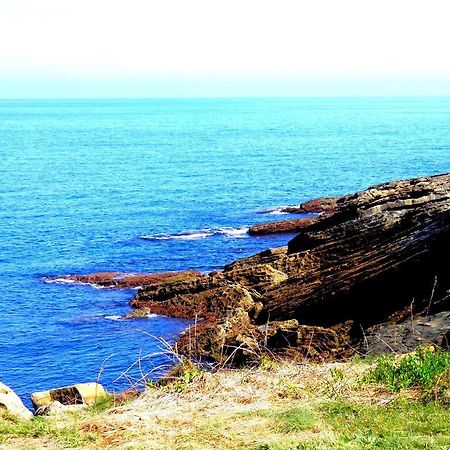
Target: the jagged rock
pixel 78 394
pixel 258 277
pixel 313 341
pixel 380 251
pixel 226 340
pixel 10 402
pixel 205 297
pixel 407 336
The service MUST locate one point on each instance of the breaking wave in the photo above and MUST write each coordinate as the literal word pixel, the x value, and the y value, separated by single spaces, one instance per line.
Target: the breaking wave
pixel 68 280
pixel 199 234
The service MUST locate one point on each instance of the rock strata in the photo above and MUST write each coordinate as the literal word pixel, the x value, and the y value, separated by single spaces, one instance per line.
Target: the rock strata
pixel 380 251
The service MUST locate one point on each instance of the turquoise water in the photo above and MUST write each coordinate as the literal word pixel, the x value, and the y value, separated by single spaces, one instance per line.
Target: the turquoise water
pixel 83 182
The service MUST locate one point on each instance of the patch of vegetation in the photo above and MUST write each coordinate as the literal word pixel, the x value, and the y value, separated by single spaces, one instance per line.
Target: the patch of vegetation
pixel 397 426
pixel 12 427
pixel 103 403
pixel 427 369
pixel 186 373
pixel 268 364
pixel 291 420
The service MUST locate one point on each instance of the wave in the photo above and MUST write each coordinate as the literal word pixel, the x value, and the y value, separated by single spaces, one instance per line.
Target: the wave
pixel 199 234
pixel 62 280
pixel 278 210
pixel 117 318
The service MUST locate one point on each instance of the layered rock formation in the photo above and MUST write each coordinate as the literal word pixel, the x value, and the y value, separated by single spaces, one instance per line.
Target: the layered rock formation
pixel 373 255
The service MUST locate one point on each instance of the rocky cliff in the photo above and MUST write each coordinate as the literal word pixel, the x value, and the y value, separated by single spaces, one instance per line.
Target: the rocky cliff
pixel 374 258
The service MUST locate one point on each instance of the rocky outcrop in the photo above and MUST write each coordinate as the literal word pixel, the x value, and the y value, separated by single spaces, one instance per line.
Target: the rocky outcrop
pixel 117 280
pixel 315 210
pixel 379 252
pixel 11 403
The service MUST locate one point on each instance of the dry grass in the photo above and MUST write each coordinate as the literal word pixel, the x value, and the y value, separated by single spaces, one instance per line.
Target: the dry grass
pixel 222 410
pixel 274 406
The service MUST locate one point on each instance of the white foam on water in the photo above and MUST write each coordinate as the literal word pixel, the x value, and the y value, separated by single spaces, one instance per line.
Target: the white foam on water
pixel 62 280
pixel 115 318
pixel 198 234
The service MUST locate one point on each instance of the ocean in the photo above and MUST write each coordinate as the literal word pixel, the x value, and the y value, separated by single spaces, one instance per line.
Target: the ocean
pixel 163 185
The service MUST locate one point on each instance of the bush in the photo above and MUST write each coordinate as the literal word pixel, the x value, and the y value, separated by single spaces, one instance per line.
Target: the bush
pixel 427 369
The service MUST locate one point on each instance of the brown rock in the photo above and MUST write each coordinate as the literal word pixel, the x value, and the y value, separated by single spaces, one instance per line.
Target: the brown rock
pixel 325 206
pixel 283 226
pixel 318 205
pixel 117 280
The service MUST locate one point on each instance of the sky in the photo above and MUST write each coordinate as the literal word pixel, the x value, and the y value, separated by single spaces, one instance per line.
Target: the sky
pixel 196 48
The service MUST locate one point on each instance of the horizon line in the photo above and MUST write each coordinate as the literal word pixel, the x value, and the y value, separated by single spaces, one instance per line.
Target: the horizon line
pixel 224 97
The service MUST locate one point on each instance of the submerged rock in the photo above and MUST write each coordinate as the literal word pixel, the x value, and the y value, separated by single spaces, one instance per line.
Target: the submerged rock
pixel 117 280
pixel 283 226
pixel 371 256
pixel 10 402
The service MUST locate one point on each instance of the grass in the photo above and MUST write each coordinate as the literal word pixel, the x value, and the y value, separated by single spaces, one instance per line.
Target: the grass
pixel 427 369
pixel 276 406
pixel 19 433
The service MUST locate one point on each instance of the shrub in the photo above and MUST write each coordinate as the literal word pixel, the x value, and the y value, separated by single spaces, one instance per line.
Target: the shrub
pixel 427 369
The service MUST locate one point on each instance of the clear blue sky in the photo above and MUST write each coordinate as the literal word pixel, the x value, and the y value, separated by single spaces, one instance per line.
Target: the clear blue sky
pixel 173 48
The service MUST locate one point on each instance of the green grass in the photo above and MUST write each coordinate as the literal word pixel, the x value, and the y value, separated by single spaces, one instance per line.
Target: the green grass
pixel 12 427
pixel 427 369
pixel 400 425
pixel 291 420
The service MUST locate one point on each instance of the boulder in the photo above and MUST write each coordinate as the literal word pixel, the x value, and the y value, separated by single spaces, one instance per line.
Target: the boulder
pixel 77 394
pixel 10 402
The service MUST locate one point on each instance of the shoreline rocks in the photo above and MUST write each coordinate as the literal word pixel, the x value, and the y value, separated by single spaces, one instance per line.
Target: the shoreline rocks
pixel 372 255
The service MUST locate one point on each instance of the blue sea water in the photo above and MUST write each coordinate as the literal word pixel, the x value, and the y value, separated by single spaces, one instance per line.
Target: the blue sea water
pixel 82 181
